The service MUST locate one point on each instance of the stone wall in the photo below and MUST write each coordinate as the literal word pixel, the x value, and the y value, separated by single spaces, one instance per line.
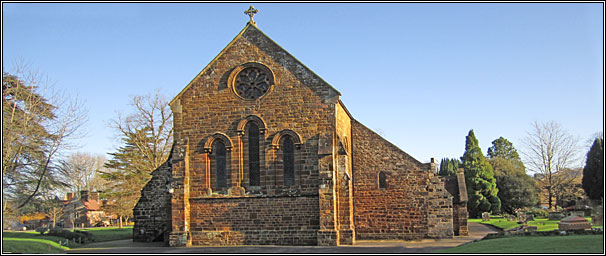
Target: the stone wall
pixel 414 203
pixel 455 185
pixel 283 220
pixel 151 213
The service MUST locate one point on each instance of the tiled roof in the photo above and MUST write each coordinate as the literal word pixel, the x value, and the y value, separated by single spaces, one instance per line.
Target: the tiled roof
pixel 91 205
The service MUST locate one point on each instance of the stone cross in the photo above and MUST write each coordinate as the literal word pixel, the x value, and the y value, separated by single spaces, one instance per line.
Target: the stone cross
pixel 251 12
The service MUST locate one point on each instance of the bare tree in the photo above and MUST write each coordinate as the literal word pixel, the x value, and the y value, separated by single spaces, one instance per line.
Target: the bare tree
pixel 39 124
pixel 549 150
pixel 81 171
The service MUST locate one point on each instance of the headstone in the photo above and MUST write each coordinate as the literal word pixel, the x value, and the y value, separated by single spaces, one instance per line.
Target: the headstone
pixel 597 218
pixel 574 223
pixel 485 216
pixel 555 216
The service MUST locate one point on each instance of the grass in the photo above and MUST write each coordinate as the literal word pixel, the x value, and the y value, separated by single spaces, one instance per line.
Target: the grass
pixel 33 242
pixel 109 234
pixel 541 224
pixel 534 244
pixel 29 245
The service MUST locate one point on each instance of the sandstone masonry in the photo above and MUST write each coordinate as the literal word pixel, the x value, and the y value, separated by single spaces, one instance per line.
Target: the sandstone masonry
pixel 266 153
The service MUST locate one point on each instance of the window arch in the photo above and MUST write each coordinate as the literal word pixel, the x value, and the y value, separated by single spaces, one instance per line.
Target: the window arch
pixel 219 165
pixel 254 164
pixel 383 180
pixel 288 160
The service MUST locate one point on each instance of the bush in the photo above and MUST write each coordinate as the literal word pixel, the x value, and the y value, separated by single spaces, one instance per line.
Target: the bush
pixel 81 236
pixel 538 213
pixel 41 230
pixel 87 235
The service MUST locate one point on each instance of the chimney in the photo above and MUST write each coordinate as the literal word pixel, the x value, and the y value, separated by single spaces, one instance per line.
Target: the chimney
pixel 93 196
pixel 84 195
pixel 69 196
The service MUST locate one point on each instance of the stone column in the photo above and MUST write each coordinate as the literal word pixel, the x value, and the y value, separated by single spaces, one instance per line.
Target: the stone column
pixel 327 235
pixel 461 207
pixel 345 201
pixel 179 235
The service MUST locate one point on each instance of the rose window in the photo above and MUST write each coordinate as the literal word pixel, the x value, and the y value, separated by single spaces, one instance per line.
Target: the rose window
pixel 252 83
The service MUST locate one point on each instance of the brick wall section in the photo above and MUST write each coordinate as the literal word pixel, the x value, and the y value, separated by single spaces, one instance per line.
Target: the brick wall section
pixel 401 211
pixel 255 220
pixel 151 213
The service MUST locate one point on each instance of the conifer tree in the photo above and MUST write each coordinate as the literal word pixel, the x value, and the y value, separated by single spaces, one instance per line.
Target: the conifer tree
pixel 126 174
pixel 479 178
pixel 593 173
pixel 448 167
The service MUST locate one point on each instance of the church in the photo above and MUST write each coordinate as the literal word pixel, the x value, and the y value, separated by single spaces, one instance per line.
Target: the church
pixel 266 153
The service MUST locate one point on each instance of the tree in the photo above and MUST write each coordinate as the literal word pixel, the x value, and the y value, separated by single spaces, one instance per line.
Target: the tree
pixel 36 129
pixel 152 115
pixel 569 187
pixel 501 147
pixel 126 175
pixel 549 150
pixel 81 171
pixel 479 178
pixel 593 172
pixel 448 167
pixel 146 136
pixel 516 188
pixel 53 207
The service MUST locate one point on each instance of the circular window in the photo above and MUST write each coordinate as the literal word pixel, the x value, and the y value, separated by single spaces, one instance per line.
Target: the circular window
pixel 252 81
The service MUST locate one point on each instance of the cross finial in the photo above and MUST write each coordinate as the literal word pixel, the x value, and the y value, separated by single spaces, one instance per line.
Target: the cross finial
pixel 251 12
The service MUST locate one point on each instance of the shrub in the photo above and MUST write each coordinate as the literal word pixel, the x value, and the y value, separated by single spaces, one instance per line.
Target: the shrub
pixel 81 236
pixel 41 230
pixel 538 213
pixel 87 235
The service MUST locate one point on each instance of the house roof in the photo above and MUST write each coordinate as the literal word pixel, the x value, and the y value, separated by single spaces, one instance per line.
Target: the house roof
pixel 91 205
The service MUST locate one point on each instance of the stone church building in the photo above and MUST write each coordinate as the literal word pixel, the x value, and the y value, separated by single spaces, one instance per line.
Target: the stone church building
pixel 265 152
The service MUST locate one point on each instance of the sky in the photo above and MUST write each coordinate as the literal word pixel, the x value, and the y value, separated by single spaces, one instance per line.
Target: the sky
pixel 422 75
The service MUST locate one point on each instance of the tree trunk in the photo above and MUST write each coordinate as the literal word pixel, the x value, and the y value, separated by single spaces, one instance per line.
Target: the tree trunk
pixel 549 195
pixel 120 221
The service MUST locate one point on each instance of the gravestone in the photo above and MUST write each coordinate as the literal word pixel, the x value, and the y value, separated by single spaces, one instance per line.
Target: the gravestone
pixel 574 223
pixel 555 216
pixel 485 216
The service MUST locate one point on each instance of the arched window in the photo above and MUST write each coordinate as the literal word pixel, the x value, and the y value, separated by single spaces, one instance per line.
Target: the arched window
pixel 382 180
pixel 253 155
pixel 288 157
pixel 220 163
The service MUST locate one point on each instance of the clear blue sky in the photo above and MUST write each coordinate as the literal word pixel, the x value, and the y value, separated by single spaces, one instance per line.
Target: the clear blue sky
pixel 420 74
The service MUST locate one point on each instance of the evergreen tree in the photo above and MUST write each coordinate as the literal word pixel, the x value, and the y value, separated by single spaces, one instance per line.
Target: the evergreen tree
pixel 501 147
pixel 516 188
pixel 448 167
pixel 593 173
pixel 479 178
pixel 127 173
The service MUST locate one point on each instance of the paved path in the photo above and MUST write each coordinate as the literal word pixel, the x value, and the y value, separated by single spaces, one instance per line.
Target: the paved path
pixel 477 231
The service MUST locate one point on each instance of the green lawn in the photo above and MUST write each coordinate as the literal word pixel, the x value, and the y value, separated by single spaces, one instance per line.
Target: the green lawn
pixel 33 242
pixel 534 244
pixel 541 224
pixel 109 234
pixel 28 245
